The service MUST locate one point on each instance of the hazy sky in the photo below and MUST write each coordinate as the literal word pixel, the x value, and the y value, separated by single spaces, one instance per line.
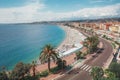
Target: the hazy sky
pixel 12 11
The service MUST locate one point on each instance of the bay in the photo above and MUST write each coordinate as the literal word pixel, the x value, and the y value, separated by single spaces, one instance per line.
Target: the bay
pixel 23 42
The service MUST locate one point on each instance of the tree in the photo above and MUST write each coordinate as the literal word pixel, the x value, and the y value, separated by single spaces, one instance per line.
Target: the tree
pixel 61 63
pixel 109 79
pixel 3 75
pixel 47 54
pixel 97 73
pixel 115 68
pixel 91 43
pixel 33 68
pixel 79 55
pixel 110 75
pixel 20 71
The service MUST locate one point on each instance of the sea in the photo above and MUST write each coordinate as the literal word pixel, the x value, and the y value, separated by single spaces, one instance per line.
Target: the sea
pixel 24 42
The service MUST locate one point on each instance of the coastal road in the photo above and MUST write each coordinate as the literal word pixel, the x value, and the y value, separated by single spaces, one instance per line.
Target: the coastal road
pixel 82 73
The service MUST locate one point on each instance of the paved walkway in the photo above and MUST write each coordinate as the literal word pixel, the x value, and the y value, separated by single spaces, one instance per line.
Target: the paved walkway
pixel 70 60
pixel 43 67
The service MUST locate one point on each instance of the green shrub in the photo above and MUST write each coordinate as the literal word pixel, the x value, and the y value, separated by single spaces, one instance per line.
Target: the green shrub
pixel 54 70
pixel 114 46
pixel 82 56
pixel 32 78
pixel 104 36
pixel 79 55
pixel 115 68
pixel 44 73
pixel 61 63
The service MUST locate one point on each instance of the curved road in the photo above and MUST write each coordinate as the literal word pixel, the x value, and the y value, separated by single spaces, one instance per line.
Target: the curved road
pixel 82 73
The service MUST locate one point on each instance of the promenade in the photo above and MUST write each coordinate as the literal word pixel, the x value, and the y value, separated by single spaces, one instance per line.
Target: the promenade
pixel 66 49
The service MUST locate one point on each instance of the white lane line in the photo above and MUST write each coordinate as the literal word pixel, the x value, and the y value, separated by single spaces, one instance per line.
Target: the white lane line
pixel 88 68
pixel 83 66
pixel 80 65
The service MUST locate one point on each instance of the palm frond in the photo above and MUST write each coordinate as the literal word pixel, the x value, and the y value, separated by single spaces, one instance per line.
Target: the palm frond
pixel 53 57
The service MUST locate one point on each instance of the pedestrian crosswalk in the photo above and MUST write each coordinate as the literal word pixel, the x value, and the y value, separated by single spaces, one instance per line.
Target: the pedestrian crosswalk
pixel 85 67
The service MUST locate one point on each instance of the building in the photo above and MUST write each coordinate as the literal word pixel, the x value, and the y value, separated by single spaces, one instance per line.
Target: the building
pixel 115 28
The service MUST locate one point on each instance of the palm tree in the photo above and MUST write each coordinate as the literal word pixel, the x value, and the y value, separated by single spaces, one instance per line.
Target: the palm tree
pixel 33 68
pixel 97 73
pixel 61 63
pixel 47 54
pixel 91 43
pixel 87 43
pixel 92 31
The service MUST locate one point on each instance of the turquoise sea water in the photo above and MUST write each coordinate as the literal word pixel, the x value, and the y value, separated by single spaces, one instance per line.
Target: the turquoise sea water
pixel 24 42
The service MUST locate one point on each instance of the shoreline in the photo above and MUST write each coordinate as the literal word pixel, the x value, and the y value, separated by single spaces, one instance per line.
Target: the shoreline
pixel 72 37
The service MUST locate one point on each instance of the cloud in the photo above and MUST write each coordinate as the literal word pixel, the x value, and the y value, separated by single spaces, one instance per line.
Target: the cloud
pixel 33 12
pixel 20 14
pixel 99 12
pixel 100 1
pixel 107 11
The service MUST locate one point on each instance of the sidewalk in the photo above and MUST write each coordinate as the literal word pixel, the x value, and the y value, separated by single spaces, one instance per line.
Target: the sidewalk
pixel 43 67
pixel 75 65
pixel 70 61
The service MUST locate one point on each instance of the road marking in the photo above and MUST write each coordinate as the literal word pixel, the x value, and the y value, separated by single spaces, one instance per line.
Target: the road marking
pixel 88 68
pixel 80 65
pixel 83 66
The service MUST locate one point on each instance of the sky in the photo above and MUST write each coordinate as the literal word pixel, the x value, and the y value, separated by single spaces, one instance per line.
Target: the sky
pixel 20 11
